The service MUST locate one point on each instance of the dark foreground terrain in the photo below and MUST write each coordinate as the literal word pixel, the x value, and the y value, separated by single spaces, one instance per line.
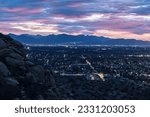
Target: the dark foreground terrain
pixel 20 78
pixel 96 72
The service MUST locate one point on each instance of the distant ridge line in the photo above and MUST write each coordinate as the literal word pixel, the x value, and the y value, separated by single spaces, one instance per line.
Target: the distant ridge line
pixel 64 39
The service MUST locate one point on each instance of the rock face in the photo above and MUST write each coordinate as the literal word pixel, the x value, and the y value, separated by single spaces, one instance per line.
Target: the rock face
pixel 20 78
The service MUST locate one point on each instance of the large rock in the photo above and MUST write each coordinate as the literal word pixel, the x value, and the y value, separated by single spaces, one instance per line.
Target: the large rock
pixel 9 88
pixel 2 44
pixel 5 38
pixel 11 82
pixel 5 52
pixel 14 62
pixel 20 51
pixel 38 72
pixel 16 44
pixel 16 56
pixel 4 70
pixel 20 78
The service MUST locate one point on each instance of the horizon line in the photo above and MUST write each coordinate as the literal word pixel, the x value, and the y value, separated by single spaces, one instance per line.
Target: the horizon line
pixel 75 35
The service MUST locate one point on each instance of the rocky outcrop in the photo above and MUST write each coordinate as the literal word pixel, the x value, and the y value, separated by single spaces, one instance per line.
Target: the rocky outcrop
pixel 20 78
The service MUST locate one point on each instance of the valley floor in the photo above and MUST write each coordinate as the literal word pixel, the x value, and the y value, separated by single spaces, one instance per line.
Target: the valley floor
pixel 97 72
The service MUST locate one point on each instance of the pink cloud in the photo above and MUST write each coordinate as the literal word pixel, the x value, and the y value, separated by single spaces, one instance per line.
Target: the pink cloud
pixel 40 20
pixel 74 5
pixel 121 34
pixel 22 10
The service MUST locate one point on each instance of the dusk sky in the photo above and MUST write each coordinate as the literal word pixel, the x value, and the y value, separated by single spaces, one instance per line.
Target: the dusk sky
pixel 109 18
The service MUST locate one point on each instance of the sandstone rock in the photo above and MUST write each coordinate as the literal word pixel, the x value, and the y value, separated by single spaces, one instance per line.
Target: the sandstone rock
pixel 20 78
pixel 38 71
pixel 2 44
pixel 31 78
pixel 16 56
pixel 50 80
pixel 19 51
pixel 16 44
pixel 29 64
pixel 5 52
pixel 5 37
pixel 11 82
pixel 14 62
pixel 4 70
pixel 8 88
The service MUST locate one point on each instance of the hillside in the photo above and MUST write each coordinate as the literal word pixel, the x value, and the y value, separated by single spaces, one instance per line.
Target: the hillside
pixel 20 78
pixel 64 39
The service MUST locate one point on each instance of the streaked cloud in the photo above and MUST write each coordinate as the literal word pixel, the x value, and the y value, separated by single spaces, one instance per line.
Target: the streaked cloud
pixel 110 18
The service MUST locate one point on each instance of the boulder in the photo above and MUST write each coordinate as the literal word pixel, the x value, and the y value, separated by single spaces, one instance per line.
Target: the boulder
pixel 4 70
pixel 21 51
pixel 16 44
pixel 11 82
pixel 38 71
pixel 5 38
pixel 5 52
pixel 31 78
pixel 29 64
pixel 16 56
pixel 14 62
pixel 20 78
pixel 9 88
pixel 2 44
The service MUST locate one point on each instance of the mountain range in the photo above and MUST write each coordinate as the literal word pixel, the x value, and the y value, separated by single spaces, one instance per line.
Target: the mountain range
pixel 64 39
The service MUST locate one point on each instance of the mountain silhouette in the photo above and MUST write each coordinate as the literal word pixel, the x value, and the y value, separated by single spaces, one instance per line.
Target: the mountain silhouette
pixel 65 39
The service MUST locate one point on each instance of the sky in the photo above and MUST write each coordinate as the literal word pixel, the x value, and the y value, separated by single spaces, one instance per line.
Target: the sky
pixel 128 19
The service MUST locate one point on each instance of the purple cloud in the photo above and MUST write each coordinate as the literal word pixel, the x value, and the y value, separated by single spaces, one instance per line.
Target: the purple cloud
pixel 112 18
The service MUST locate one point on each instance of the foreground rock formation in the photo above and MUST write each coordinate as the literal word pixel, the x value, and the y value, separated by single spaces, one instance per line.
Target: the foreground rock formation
pixel 20 78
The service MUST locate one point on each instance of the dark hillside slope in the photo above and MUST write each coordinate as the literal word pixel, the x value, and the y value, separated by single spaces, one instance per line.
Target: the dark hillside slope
pixel 20 78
